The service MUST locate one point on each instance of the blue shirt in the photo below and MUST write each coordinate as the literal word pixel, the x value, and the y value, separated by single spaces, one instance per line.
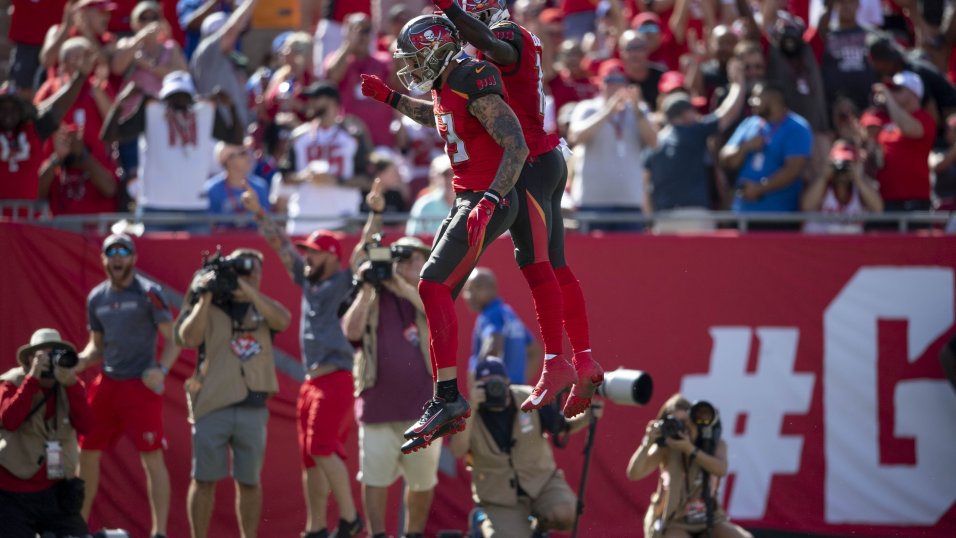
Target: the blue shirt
pixel 224 200
pixel 790 138
pixel 499 318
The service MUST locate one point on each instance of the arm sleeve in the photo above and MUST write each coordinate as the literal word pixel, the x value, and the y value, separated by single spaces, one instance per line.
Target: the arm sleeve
pixel 800 142
pixel 15 402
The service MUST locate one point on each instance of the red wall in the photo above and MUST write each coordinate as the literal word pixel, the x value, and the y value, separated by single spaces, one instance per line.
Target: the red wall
pixel 683 308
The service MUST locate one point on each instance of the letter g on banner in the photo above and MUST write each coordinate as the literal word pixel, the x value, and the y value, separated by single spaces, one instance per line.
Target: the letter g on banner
pixel 859 489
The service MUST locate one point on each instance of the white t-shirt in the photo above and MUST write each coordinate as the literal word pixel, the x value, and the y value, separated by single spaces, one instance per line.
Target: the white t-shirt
pixel 177 155
pixel 331 150
pixel 832 206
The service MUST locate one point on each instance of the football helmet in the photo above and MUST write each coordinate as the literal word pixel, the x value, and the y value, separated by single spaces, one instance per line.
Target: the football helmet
pixel 426 44
pixel 489 12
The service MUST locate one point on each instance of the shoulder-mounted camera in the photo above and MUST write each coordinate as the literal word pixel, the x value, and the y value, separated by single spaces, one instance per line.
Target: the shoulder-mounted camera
pixel 381 258
pixel 227 270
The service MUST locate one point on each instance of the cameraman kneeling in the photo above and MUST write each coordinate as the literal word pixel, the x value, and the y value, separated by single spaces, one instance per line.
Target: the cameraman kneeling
pixel 513 474
pixel 42 408
pixel 682 507
pixel 235 375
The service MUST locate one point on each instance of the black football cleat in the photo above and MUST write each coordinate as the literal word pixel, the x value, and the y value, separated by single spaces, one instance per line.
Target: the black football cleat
pixel 438 412
pixel 423 441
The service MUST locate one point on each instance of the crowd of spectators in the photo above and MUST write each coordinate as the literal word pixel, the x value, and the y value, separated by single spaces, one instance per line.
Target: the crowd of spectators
pixel 841 106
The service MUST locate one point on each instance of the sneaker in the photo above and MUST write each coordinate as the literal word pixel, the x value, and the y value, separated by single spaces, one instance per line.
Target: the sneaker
pixel 556 376
pixel 348 528
pixel 590 376
pixel 438 412
pixel 417 443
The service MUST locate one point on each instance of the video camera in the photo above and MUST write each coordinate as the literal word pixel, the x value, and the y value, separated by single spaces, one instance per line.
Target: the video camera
pixel 496 393
pixel 627 387
pixel 62 358
pixel 227 270
pixel 381 258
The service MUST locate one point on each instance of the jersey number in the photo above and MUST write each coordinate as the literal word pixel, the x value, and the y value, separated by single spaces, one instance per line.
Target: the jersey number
pixel 454 146
pixel 537 55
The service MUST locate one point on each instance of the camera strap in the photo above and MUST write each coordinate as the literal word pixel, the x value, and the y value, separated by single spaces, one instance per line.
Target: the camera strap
pixel 36 407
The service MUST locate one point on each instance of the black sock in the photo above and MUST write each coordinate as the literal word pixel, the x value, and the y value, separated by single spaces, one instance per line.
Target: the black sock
pixel 447 390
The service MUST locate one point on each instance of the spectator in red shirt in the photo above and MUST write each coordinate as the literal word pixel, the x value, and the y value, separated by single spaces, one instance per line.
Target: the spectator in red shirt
pixel 29 22
pixel 344 68
pixel 86 18
pixel 76 179
pixel 572 82
pixel 42 407
pixel 22 132
pixel 906 139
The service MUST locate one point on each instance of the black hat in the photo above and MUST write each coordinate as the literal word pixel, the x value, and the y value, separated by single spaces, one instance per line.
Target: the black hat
pixel 490 366
pixel 321 89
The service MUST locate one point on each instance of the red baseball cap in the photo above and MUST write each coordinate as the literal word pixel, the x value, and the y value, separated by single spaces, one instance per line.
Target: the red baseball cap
pixel 643 18
pixel 842 152
pixel 670 81
pixel 324 241
pixel 870 119
pixel 549 15
pixel 99 4
pixel 609 67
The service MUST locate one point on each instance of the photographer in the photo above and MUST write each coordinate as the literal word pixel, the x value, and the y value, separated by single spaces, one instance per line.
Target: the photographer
pixel 234 377
pixel 843 190
pixel 392 371
pixel 513 474
pixel 682 506
pixel 39 493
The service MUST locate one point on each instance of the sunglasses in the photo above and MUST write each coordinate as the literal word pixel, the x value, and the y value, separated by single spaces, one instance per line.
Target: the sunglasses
pixel 148 18
pixel 113 252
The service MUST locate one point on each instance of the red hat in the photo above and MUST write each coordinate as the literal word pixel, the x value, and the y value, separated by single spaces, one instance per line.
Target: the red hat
pixel 610 66
pixel 670 81
pixel 324 241
pixel 549 15
pixel 643 18
pixel 842 152
pixel 99 4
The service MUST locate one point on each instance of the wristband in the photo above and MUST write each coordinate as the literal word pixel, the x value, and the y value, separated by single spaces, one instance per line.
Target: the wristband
pixel 393 98
pixel 492 196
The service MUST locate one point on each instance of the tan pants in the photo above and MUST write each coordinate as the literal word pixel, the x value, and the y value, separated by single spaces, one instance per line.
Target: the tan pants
pixel 513 521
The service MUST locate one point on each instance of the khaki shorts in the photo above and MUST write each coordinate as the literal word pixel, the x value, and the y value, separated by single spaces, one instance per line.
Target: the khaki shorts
pixel 513 522
pixel 381 460
pixel 242 429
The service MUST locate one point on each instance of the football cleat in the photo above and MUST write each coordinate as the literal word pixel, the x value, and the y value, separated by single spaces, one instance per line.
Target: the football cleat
pixel 590 376
pixel 438 412
pixel 556 376
pixel 417 443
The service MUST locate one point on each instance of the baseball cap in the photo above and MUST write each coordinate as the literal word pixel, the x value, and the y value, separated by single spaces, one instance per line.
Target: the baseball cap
pixel 489 367
pixel 676 104
pixel 549 15
pixel 842 152
pixel 177 82
pixel 613 68
pixel 279 41
pixel 670 81
pixel 213 23
pixel 910 81
pixel 324 241
pixel 119 239
pixel 870 118
pixel 321 89
pixel 98 4
pixel 413 243
pixel 647 17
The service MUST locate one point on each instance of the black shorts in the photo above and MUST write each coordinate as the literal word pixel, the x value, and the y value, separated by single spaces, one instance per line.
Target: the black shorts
pixel 452 260
pixel 24 515
pixel 24 64
pixel 538 231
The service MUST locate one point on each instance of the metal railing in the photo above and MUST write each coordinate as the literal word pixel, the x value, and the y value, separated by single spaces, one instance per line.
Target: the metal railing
pixel 903 222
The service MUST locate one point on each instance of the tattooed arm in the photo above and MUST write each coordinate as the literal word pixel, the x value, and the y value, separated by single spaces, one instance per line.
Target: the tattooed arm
pixel 274 235
pixel 419 110
pixel 502 124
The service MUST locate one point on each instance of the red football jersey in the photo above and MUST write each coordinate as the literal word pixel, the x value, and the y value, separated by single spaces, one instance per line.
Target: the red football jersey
pixel 524 82
pixel 474 154
pixel 21 154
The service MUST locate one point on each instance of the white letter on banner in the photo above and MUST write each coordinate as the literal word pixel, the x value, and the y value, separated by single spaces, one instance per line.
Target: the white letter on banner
pixel 764 396
pixel 858 488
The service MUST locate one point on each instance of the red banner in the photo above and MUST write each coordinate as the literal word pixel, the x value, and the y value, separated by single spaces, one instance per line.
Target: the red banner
pixel 819 352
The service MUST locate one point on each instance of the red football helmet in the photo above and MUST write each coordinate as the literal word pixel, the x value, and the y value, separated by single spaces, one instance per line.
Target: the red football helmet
pixel 426 44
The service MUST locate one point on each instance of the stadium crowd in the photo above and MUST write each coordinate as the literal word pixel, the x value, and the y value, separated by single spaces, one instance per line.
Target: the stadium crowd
pixel 850 113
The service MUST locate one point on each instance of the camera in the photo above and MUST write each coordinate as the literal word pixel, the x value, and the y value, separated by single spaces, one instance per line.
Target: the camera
pixel 496 394
pixel 381 258
pixel 841 165
pixel 627 387
pixel 670 427
pixel 227 270
pixel 61 358
pixel 707 419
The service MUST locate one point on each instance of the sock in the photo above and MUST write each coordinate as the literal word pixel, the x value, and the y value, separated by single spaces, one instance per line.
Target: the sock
pixel 442 324
pixel 546 295
pixel 574 309
pixel 447 390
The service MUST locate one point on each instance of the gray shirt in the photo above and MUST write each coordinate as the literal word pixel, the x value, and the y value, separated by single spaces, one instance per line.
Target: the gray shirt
pixel 320 330
pixel 211 68
pixel 128 319
pixel 678 165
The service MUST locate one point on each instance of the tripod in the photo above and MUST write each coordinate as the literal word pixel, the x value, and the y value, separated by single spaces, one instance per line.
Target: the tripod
pixel 588 445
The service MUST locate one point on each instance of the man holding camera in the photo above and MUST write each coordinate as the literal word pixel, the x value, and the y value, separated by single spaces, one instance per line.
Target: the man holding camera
pixel 513 474
pixel 42 408
pixel 235 375
pixel 684 443
pixel 324 406
pixel 126 312
pixel 392 371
